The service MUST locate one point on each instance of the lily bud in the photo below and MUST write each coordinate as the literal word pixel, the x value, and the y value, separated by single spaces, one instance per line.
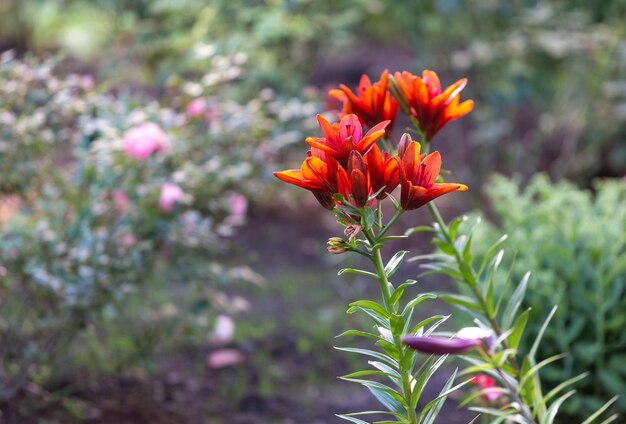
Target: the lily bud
pixel 357 172
pixel 405 140
pixel 440 345
pixel 467 339
pixel 337 245
pixel 400 96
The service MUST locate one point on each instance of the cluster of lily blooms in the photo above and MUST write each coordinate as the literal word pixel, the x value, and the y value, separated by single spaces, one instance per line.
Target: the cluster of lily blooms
pixel 347 160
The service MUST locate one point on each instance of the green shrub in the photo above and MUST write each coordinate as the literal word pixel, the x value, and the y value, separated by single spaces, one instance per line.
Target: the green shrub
pixel 89 226
pixel 575 242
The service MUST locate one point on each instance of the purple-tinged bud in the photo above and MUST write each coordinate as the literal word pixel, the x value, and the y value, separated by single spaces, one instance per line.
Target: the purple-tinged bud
pixel 405 140
pixel 440 345
pixel 466 339
pixel 476 333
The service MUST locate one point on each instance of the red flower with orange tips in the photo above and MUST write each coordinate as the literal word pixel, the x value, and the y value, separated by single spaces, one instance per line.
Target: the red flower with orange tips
pixel 318 174
pixel 372 103
pixel 417 178
pixel 346 136
pixel 425 101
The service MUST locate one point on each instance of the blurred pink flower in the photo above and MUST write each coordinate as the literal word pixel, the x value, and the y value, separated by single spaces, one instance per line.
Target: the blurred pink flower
pixel 238 209
pixel 128 240
pixel 170 195
pixel 196 108
pixel 143 140
pixel 223 358
pixel 121 201
pixel 484 382
pixel 88 81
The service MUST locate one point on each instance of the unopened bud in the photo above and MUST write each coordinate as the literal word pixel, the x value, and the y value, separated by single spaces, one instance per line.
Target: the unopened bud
pixel 337 245
pixel 405 140
pixel 465 340
pixel 352 230
pixel 400 96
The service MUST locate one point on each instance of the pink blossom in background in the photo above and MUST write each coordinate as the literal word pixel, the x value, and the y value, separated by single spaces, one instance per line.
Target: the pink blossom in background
pixel 143 140
pixel 128 240
pixel 223 358
pixel 121 201
pixel 88 81
pixel 170 195
pixel 196 108
pixel 238 209
pixel 485 382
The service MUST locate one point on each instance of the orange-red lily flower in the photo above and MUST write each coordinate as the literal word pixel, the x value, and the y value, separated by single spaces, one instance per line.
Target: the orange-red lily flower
pixel 372 103
pixel 317 174
pixel 383 171
pixel 431 107
pixel 342 138
pixel 417 178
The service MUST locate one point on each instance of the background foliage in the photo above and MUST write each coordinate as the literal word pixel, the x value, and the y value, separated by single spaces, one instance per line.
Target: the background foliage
pixel 574 242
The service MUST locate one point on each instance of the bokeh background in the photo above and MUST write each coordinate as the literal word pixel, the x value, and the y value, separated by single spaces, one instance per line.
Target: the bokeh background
pixel 220 304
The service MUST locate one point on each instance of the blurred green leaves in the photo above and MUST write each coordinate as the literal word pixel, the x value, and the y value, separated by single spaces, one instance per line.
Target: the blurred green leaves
pixel 575 242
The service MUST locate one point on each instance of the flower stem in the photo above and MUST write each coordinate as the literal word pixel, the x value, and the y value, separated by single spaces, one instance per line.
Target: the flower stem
pixel 471 284
pixel 385 287
pixel 392 221
pixel 524 410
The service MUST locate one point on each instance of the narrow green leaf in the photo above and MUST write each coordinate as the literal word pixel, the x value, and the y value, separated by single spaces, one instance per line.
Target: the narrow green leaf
pixel 535 346
pixel 351 419
pixel 532 371
pixel 383 322
pixel 394 263
pixel 554 408
pixel 432 408
pixel 490 252
pixel 357 272
pixel 518 329
pixel 358 333
pixel 552 393
pixel 389 348
pixel 399 291
pixel 384 368
pixel 419 299
pixel 600 410
pixel 515 301
pixel 436 324
pixel 394 201
pixel 388 399
pixel 458 299
pixel 420 229
pixel 453 227
pixel 610 419
pixel 425 322
pixel 372 306
pixel 445 247
pixel 365 373
pixel 423 378
pixel 397 323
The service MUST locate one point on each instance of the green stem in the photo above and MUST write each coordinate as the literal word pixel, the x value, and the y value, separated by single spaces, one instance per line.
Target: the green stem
pixel 385 287
pixel 377 260
pixel 392 221
pixel 471 284
pixel 526 413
